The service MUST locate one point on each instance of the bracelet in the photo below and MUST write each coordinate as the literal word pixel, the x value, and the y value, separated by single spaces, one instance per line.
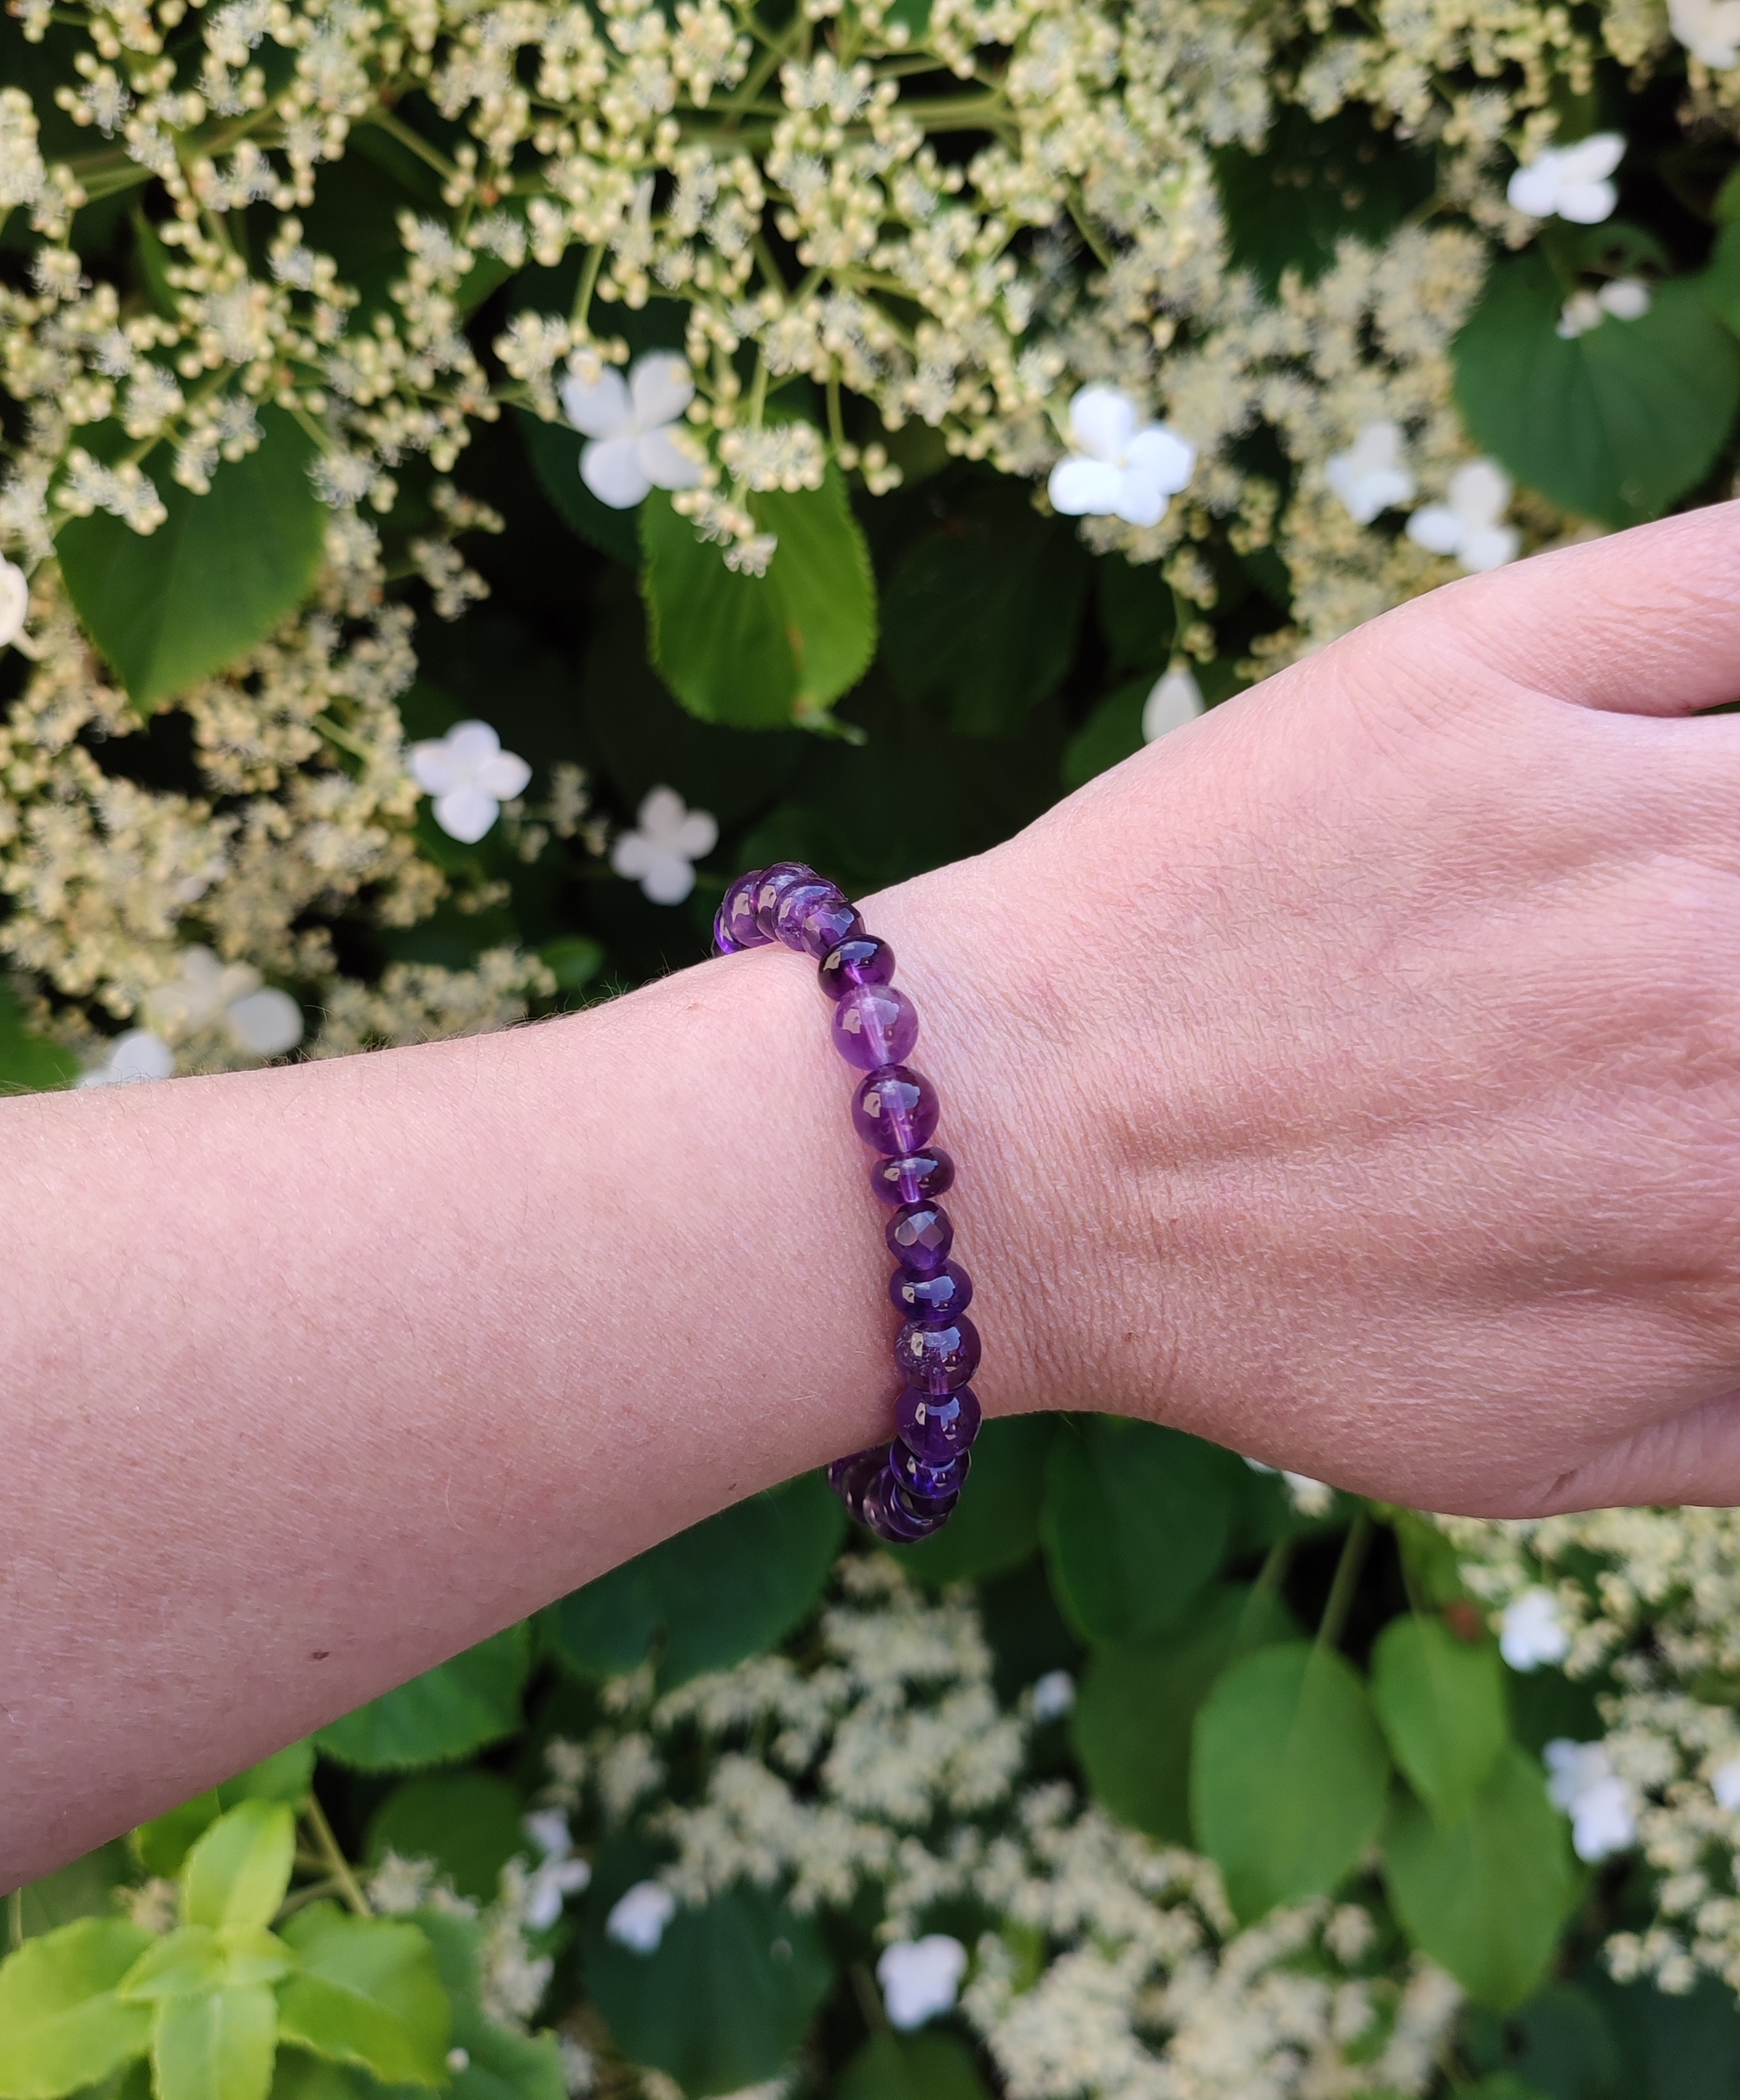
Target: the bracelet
pixel 903 1490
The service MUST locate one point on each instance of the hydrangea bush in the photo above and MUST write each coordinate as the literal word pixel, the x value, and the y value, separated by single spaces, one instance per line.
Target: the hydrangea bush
pixel 478 472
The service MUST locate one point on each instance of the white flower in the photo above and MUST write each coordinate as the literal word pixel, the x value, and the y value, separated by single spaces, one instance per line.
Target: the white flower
pixel 1533 1631
pixel 1174 698
pixel 470 777
pixel 137 1055
pixel 630 425
pixel 920 1978
pixel 261 1019
pixel 660 854
pixel 1470 525
pixel 1119 468
pixel 559 1875
pixel 1309 1498
pixel 1725 1785
pixel 1709 29
pixel 1582 1783
pixel 1626 298
pixel 1570 182
pixel 1053 1695
pixel 15 601
pixel 1372 475
pixel 637 1920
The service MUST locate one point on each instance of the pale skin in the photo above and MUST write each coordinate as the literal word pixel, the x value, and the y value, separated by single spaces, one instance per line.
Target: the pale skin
pixel 1352 1078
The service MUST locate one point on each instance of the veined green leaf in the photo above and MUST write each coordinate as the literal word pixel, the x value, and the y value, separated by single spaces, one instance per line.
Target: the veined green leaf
pixel 1441 1703
pixel 367 1993
pixel 62 2025
pixel 217 2045
pixel 446 1713
pixel 189 1961
pixel 237 1872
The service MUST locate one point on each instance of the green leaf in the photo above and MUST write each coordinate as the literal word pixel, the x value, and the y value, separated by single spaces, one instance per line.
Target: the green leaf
pixel 720 1590
pixel 216 2046
pixel 1613 424
pixel 29 1063
pixel 1559 2044
pixel 996 1526
pixel 62 2025
pixel 911 2067
pixel 1134 1523
pixel 762 652
pixel 187 1962
pixel 1672 2048
pixel 286 1775
pixel 726 1996
pixel 1486 1896
pixel 1288 1774
pixel 1022 577
pixel 85 1888
pixel 555 451
pixel 445 1713
pixel 1137 614
pixel 573 961
pixel 1112 733
pixel 501 2065
pixel 164 1843
pixel 1440 1702
pixel 367 1993
pixel 170 607
pixel 1138 1702
pixel 238 1870
pixel 467 1822
pixel 252 1954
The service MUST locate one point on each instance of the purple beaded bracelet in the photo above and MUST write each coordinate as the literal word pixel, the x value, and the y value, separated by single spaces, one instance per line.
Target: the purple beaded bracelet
pixel 905 1490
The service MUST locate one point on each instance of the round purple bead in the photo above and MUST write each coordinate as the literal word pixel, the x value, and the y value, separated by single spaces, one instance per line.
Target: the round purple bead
pixel 851 1478
pixel 919 1236
pixel 937 1359
pixel 895 1110
pixel 874 1025
pixel 770 893
pixel 932 1510
pixel 794 904
pixel 861 960
pixel 734 925
pixel 894 1517
pixel 920 1478
pixel 937 1427
pixel 914 1176
pixel 934 1299
pixel 828 922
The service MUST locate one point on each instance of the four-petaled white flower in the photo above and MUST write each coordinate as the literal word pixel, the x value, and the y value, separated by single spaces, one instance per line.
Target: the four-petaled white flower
pixel 1372 475
pixel 1725 1784
pixel 15 601
pixel 1626 298
pixel 637 1920
pixel 140 1054
pixel 1582 1781
pixel 630 424
pixel 1709 29
pixel 920 1978
pixel 558 1875
pixel 1120 467
pixel 261 1019
pixel 661 852
pixel 1470 525
pixel 1570 182
pixel 1053 1695
pixel 469 775
pixel 1533 1631
pixel 1174 698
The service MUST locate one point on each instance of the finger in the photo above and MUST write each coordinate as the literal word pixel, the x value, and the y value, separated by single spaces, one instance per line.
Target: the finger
pixel 1645 621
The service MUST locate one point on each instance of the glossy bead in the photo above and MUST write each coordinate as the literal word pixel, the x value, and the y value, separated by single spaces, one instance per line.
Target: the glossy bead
pixel 919 1236
pixel 920 1478
pixel 770 892
pixel 910 1177
pixel 894 1517
pixel 895 1110
pixel 734 925
pixel 934 1299
pixel 874 1025
pixel 937 1359
pixel 933 1511
pixel 794 904
pixel 936 1426
pixel 852 1477
pixel 861 960
pixel 829 923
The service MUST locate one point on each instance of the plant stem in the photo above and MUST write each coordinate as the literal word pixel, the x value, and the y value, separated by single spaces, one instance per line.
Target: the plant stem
pixel 870 2004
pixel 15 1919
pixel 1347 1577
pixel 334 1857
pixel 588 280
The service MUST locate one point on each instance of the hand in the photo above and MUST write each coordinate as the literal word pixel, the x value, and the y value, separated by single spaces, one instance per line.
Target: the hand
pixel 1353 1077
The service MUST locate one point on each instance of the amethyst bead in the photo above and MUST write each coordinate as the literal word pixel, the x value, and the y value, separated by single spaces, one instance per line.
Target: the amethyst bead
pixel 874 1025
pixel 920 1478
pixel 771 890
pixel 937 1359
pixel 896 1518
pixel 851 1478
pixel 937 1427
pixel 794 906
pixel 895 1110
pixel 861 960
pixel 827 923
pixel 932 1299
pixel 931 1510
pixel 734 925
pixel 913 1176
pixel 919 1236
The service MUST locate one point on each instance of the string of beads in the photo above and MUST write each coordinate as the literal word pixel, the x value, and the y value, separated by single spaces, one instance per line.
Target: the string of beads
pixel 903 1490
